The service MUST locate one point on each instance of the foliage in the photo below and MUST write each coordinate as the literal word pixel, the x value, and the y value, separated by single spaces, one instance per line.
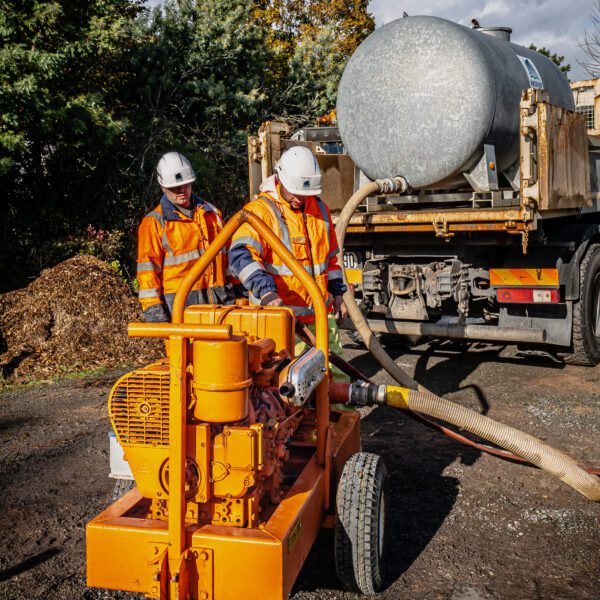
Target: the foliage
pixel 591 43
pixel 311 40
pixel 555 58
pixel 205 94
pixel 92 93
pixel 62 66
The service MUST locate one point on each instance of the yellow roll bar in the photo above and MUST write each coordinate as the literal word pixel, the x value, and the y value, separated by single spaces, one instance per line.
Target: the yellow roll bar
pixel 241 217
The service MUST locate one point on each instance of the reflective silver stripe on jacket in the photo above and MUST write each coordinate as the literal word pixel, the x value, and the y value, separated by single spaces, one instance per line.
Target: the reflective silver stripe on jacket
pixel 323 209
pixel 166 245
pixel 333 253
pixel 142 267
pixel 161 221
pixel 284 232
pixel 182 258
pixel 334 274
pixel 149 293
pixel 208 207
pixel 285 271
pixel 248 270
pixel 247 241
pixel 158 216
pixel 320 268
pixel 278 270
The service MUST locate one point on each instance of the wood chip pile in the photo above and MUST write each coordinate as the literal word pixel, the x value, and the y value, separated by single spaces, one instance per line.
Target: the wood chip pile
pixel 73 317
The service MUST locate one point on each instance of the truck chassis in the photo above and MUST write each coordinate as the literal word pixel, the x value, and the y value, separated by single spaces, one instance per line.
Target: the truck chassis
pixel 517 262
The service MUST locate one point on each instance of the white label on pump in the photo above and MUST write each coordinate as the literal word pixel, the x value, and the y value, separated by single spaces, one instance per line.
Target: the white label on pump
pixel 535 79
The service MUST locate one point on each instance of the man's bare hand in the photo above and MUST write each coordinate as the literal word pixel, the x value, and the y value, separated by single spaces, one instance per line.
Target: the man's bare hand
pixel 340 310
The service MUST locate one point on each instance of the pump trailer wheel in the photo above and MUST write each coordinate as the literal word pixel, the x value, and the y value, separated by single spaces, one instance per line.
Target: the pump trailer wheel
pixel 360 523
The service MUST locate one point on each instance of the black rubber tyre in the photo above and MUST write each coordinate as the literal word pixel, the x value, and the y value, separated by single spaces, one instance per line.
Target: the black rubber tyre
pixel 585 347
pixel 122 486
pixel 360 523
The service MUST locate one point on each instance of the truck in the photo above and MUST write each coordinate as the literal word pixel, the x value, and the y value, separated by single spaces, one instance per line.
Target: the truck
pixel 498 237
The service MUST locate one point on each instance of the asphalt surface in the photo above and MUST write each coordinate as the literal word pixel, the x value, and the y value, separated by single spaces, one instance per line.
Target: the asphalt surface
pixel 462 525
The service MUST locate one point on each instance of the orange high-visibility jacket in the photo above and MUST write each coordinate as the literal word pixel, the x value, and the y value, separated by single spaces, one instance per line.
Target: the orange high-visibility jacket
pixel 169 243
pixel 308 234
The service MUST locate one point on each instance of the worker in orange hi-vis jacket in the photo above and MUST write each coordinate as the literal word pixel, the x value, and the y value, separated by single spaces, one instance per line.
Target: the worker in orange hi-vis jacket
pixel 172 237
pixel 289 204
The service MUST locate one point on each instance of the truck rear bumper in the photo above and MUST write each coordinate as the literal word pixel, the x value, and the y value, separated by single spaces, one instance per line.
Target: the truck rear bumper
pixel 484 333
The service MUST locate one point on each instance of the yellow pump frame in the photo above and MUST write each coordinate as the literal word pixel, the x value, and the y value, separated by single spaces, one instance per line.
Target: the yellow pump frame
pixel 310 499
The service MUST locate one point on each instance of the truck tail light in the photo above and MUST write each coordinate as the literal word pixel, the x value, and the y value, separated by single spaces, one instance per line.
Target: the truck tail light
pixel 527 295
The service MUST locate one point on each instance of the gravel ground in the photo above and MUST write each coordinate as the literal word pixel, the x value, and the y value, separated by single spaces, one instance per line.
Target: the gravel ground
pixel 464 526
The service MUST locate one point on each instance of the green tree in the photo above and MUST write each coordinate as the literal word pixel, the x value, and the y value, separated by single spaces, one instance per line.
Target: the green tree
pixel 315 69
pixel 199 89
pixel 555 58
pixel 93 92
pixel 62 65
pixel 591 43
pixel 310 42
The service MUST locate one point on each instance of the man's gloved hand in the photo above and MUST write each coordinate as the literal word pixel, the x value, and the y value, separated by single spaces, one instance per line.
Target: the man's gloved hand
pixel 271 299
pixel 240 291
pixel 156 314
pixel 340 310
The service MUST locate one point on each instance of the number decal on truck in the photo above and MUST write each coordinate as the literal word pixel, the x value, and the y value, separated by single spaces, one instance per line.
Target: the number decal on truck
pixel 353 268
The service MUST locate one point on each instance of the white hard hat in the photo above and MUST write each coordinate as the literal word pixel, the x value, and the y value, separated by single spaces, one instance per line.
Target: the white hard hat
pixel 299 172
pixel 174 169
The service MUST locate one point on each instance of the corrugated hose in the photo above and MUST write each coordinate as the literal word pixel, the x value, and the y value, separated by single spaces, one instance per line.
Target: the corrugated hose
pixel 413 397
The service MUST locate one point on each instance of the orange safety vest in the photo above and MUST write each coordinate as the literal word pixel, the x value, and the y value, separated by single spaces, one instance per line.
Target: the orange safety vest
pixel 310 237
pixel 169 243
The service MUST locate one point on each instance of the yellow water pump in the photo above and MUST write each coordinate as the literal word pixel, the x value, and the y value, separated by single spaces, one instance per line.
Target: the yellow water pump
pixel 236 456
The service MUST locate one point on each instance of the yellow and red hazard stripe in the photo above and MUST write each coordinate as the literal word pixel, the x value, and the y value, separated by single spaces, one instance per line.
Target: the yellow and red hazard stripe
pixel 547 278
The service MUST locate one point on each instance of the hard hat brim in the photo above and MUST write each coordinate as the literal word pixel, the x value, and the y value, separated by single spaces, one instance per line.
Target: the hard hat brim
pixel 188 180
pixel 302 192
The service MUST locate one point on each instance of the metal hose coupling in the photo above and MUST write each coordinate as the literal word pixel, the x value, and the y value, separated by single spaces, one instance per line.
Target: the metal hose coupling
pixel 362 393
pixel 395 185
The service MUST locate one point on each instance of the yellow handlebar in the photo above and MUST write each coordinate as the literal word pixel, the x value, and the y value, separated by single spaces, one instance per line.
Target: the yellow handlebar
pixel 241 217
pixel 165 330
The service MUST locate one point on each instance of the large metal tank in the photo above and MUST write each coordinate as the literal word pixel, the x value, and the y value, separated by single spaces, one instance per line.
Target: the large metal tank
pixel 422 95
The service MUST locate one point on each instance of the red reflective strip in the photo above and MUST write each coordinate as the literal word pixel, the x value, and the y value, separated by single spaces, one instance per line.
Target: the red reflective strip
pixel 527 295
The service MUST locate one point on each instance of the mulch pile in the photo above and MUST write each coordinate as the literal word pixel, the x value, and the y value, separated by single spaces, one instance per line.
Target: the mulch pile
pixel 73 317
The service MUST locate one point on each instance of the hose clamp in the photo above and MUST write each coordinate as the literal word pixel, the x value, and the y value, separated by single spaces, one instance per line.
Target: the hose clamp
pixel 397 184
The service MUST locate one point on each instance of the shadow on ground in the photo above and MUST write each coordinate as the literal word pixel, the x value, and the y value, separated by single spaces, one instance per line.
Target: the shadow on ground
pixel 421 496
pixel 28 563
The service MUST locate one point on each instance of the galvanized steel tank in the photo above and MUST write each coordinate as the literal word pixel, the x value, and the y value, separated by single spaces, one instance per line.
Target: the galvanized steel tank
pixel 422 95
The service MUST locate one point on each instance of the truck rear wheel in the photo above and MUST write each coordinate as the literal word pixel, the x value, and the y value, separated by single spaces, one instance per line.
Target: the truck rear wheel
pixel 360 523
pixel 585 349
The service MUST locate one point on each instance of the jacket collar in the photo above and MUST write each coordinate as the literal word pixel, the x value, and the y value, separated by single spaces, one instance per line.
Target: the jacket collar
pixel 170 211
